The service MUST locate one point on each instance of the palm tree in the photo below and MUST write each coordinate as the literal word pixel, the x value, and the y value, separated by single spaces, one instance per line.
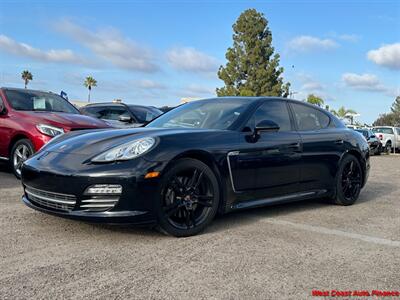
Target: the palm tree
pixel 344 113
pixel 89 83
pixel 315 100
pixel 26 76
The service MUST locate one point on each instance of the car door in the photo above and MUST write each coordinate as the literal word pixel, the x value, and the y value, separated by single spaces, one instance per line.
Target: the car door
pixel 323 146
pixel 267 164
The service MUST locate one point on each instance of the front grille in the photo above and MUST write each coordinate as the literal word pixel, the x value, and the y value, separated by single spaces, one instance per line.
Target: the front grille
pixel 99 203
pixel 51 200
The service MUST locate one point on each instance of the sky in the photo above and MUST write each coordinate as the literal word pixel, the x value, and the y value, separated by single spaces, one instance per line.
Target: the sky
pixel 158 52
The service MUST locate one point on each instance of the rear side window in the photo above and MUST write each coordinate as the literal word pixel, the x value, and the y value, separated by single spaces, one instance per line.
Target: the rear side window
pixel 308 118
pixel 275 111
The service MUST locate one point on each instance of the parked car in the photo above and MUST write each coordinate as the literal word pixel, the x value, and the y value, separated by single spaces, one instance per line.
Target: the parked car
pixel 208 156
pixel 29 119
pixel 389 136
pixel 122 115
pixel 375 144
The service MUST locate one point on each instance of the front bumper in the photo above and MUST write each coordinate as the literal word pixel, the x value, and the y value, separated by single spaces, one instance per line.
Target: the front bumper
pixel 57 184
pixel 109 217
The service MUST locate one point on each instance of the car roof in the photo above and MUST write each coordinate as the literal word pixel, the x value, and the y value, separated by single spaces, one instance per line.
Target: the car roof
pixel 25 90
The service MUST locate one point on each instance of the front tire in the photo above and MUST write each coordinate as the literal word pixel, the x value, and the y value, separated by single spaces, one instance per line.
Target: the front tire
pixel 189 198
pixel 348 181
pixel 20 152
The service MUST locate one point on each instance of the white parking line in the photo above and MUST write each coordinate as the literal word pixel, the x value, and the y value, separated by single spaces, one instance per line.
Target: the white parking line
pixel 319 229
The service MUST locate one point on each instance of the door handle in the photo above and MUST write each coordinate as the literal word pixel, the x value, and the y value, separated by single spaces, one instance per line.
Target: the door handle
pixel 339 142
pixel 295 146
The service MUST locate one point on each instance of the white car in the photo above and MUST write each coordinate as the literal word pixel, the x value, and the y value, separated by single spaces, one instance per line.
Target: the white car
pixel 389 136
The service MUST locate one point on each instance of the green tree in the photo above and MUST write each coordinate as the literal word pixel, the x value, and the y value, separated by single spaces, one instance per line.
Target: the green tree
pixel 344 113
pixel 388 119
pixel 26 77
pixel 252 68
pixel 89 83
pixel 315 100
pixel 392 118
pixel 396 106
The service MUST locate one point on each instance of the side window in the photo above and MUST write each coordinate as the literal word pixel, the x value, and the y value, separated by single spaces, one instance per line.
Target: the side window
pixel 114 113
pixel 398 131
pixel 275 111
pixel 308 118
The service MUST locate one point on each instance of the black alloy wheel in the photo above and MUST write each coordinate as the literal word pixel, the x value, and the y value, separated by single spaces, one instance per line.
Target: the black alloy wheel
pixel 349 181
pixel 189 198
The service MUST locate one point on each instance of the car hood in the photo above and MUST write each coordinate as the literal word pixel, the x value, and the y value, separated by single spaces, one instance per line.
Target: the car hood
pixel 66 120
pixel 94 142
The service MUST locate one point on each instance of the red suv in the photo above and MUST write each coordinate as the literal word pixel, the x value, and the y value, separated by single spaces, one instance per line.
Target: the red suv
pixel 29 119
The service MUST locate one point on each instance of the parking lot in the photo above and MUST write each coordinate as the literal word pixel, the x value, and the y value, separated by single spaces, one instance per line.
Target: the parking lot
pixel 284 251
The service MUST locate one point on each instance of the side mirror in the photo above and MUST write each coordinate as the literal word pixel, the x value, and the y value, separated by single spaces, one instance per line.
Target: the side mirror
pixel 125 119
pixel 372 137
pixel 266 125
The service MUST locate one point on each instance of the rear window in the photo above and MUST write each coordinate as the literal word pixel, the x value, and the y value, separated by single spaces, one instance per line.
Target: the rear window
pixel 363 132
pixel 106 112
pixel 383 130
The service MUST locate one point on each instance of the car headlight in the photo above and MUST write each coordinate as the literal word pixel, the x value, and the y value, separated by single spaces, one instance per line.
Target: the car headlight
pixel 126 151
pixel 49 130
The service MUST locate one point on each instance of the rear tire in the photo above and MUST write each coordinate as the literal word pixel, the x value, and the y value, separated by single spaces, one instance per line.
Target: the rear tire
pixel 348 181
pixel 20 152
pixel 388 148
pixel 188 199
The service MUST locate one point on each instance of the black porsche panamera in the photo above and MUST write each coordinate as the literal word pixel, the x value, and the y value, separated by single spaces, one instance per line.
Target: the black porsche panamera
pixel 202 158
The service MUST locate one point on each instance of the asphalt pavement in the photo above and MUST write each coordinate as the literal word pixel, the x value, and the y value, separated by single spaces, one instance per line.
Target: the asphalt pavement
pixel 279 252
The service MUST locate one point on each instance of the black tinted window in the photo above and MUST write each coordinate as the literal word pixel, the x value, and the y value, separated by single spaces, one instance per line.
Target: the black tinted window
pixel 145 114
pixel 363 132
pixel 309 118
pixel 106 112
pixel 275 111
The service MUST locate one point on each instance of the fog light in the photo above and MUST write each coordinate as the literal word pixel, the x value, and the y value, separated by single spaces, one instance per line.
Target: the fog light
pixel 104 189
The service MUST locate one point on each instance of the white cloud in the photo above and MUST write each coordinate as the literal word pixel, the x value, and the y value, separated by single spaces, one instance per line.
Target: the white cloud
pixel 150 84
pixel 387 56
pixel 309 84
pixel 192 60
pixel 306 43
pixel 111 46
pixel 349 37
pixel 24 50
pixel 364 82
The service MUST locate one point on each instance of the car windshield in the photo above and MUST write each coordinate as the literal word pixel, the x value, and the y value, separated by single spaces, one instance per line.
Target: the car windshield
pixel 39 101
pixel 205 114
pixel 144 114
pixel 363 132
pixel 383 130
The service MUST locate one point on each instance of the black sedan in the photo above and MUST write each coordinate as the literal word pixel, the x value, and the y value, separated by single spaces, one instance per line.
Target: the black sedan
pixel 202 158
pixel 375 144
